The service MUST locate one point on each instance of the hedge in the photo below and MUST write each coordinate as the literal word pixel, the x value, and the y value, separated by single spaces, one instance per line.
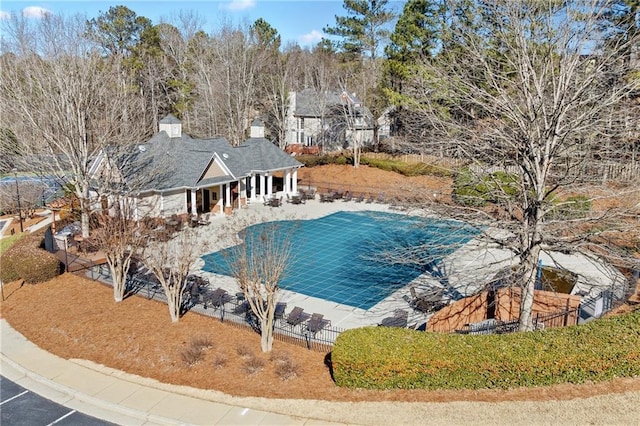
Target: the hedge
pixel 28 261
pixel 391 358
pixel 406 169
pixel 470 190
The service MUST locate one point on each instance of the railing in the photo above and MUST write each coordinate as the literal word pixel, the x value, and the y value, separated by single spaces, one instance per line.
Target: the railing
pixel 321 341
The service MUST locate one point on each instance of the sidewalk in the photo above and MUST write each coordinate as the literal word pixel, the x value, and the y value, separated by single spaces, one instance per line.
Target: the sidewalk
pixel 118 397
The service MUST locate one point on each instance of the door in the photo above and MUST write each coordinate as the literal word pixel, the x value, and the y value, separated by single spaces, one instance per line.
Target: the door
pixel 206 198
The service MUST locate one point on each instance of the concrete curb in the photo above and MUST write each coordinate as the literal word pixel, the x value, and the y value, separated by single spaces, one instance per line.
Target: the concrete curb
pixel 80 396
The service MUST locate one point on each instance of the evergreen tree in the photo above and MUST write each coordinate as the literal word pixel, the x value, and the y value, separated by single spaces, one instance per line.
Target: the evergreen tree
pixel 364 28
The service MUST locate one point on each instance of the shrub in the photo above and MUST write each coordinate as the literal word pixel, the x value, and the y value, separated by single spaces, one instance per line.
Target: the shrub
pixel 201 341
pixel 387 358
pixel 192 355
pixel 194 352
pixel 220 360
pixel 574 207
pixel 244 351
pixel 471 190
pixel 285 367
pixel 28 261
pixel 253 364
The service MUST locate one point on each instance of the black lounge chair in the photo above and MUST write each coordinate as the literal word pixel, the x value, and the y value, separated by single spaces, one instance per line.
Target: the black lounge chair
pixel 317 323
pixel 399 319
pixel 216 298
pixel 242 308
pixel 279 311
pixel 297 316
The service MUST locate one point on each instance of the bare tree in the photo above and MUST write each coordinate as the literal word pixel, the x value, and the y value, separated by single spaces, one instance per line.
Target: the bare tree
pixel 120 238
pixel 258 261
pixel 70 103
pixel 171 263
pixel 530 99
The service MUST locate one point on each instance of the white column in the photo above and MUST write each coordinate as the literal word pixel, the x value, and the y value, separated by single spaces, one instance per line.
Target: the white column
pixel 227 195
pixel 294 181
pixel 253 187
pixel 194 207
pixel 262 192
pixel 269 185
pixel 287 182
pixel 162 205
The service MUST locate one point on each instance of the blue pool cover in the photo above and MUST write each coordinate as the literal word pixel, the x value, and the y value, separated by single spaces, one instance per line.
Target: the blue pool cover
pixel 346 257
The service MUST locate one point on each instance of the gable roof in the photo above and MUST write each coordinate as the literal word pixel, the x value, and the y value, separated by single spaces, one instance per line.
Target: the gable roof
pixel 309 103
pixel 164 163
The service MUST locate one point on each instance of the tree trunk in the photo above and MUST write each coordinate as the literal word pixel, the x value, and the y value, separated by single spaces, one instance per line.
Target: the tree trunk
pixel 529 263
pixel 119 281
pixel 266 335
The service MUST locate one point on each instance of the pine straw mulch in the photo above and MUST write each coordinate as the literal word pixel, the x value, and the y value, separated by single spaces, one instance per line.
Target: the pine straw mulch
pixel 74 317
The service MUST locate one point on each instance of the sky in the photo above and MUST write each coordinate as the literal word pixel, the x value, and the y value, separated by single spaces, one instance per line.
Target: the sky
pixel 299 21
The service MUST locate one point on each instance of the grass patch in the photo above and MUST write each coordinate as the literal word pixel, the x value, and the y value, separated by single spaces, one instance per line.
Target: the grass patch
pixel 7 242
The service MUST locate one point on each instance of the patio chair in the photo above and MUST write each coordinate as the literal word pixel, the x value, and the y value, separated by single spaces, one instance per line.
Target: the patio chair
pixel 399 319
pixel 204 220
pixel 217 298
pixel 381 198
pixel 316 323
pixel 242 308
pixel 297 316
pixel 348 196
pixel 359 198
pixel 310 194
pixel 370 199
pixel 279 311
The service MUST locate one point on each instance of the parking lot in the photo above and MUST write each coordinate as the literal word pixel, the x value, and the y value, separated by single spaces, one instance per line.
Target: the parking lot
pixel 19 406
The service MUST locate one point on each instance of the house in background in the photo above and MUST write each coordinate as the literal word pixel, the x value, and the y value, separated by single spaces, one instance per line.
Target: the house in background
pixel 173 173
pixel 327 121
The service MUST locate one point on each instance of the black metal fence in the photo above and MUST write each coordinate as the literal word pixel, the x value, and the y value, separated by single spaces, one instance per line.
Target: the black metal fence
pixel 229 313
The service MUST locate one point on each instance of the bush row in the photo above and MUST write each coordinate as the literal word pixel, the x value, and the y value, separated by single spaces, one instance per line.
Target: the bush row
pixel 390 358
pixel 406 169
pixel 471 190
pixel 27 260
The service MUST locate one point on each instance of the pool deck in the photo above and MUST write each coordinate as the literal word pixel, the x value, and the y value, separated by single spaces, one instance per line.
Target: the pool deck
pixel 463 273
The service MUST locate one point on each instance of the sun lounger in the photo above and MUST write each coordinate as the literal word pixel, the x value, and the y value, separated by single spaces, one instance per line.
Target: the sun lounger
pixel 279 311
pixel 399 319
pixel 216 298
pixel 317 323
pixel 297 316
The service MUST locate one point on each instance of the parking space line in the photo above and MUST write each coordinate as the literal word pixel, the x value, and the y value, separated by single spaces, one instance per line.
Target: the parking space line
pixel 61 418
pixel 14 397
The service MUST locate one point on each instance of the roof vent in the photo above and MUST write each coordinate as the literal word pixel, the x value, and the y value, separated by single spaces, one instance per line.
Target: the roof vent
pixel 142 148
pixel 225 155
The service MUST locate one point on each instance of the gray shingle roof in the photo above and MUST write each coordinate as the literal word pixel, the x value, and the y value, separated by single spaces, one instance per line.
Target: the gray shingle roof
pixel 310 104
pixel 165 163
pixel 170 119
pixel 260 154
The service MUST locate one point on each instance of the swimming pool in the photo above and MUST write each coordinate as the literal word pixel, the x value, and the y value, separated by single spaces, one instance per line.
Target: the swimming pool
pixel 340 257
